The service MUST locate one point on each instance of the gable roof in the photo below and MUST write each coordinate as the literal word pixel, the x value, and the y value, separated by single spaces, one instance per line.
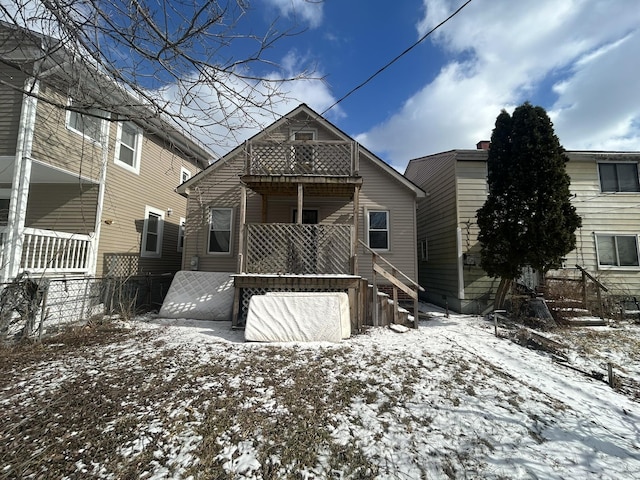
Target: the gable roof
pixel 315 117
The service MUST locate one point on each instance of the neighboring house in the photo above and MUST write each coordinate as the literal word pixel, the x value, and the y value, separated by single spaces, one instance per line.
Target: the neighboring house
pixel 288 208
pixel 606 193
pixel 82 191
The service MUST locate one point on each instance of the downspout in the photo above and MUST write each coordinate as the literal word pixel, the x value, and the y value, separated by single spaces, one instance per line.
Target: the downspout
pixel 21 180
pixel 460 263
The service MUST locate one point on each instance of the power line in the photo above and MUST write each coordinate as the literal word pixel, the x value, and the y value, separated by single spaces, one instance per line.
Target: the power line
pixel 398 57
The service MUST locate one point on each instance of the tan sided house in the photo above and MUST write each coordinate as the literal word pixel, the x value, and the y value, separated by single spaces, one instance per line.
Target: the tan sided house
pixel 606 191
pixel 301 207
pixel 84 191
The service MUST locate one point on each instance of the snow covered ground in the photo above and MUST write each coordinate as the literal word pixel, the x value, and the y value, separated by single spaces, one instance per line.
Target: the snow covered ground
pixel 191 399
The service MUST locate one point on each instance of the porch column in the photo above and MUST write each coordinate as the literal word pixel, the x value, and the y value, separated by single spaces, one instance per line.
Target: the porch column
pixel 300 204
pixel 243 218
pixel 356 230
pixel 95 241
pixel 21 181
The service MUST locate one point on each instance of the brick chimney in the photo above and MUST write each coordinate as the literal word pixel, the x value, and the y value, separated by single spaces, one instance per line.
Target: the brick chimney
pixel 483 145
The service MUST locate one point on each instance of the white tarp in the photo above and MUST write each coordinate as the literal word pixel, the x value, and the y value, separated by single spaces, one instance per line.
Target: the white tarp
pixel 199 295
pixel 298 317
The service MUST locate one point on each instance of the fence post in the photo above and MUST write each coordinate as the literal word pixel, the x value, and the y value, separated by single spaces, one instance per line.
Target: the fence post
pixel 376 313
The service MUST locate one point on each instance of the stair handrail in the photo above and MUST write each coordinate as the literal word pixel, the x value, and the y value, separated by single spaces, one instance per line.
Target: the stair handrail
pixel 395 282
pixel 599 286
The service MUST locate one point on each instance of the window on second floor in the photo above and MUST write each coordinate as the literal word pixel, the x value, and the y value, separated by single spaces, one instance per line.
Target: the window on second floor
pixel 619 177
pixel 89 125
pixel 152 233
pixel 128 146
pixel 617 250
pixel 184 175
pixel 378 229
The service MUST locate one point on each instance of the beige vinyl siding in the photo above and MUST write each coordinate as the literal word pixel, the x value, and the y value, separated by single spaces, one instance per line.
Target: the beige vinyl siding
pixel 62 207
pixel 602 213
pixel 479 289
pixel 221 189
pixel 381 192
pixel 126 196
pixel 10 108
pixel 56 145
pixel 436 221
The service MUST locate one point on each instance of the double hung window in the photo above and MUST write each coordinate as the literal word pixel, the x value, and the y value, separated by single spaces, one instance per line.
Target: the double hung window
pixel 220 223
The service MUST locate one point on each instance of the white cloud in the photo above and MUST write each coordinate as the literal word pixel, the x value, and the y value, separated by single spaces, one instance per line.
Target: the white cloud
pixel 225 114
pixel 501 51
pixel 310 12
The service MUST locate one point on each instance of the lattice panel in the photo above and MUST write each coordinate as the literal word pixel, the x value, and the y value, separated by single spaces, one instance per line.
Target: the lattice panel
pixel 298 249
pixel 301 158
pixel 247 293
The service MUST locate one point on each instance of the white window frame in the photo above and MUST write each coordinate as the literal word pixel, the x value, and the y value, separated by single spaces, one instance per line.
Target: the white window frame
pixel 616 252
pixel 231 239
pixel 369 229
pixel 103 132
pixel 145 232
pixel 181 228
pixel 137 148
pixel 619 192
pixel 184 172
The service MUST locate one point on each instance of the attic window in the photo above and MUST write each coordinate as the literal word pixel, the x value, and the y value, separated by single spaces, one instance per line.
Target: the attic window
pixel 303 154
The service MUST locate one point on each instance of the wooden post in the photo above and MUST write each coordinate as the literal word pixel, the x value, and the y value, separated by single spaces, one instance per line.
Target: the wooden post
pixel 584 289
pixel 376 302
pixel 243 218
pixel 265 200
pixel 300 203
pixel 355 231
pixel 610 373
pixel 396 307
pixel 415 311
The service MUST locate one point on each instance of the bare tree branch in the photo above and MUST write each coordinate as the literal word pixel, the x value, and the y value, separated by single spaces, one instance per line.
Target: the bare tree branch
pixel 196 63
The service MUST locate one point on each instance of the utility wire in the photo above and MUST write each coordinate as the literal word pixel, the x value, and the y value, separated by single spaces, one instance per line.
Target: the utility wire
pixel 398 57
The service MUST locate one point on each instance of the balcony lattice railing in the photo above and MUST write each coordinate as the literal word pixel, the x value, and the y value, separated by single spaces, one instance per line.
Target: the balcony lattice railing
pixel 301 158
pixel 286 248
pixel 48 251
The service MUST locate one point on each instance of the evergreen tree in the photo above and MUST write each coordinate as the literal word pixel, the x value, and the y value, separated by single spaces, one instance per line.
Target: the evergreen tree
pixel 527 218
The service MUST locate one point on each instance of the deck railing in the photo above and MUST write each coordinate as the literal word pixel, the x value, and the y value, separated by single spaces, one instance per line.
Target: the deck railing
pixel 48 251
pixel 304 249
pixel 328 158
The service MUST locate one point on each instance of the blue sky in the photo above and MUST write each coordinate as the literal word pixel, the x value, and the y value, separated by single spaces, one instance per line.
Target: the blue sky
pixel 579 59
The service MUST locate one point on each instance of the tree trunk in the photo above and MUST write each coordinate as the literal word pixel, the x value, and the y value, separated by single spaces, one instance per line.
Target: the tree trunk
pixel 501 293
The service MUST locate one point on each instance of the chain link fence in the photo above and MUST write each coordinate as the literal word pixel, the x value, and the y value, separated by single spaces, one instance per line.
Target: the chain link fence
pixel 32 304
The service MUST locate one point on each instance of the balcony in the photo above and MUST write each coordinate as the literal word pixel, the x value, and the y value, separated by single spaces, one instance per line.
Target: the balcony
pixel 324 168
